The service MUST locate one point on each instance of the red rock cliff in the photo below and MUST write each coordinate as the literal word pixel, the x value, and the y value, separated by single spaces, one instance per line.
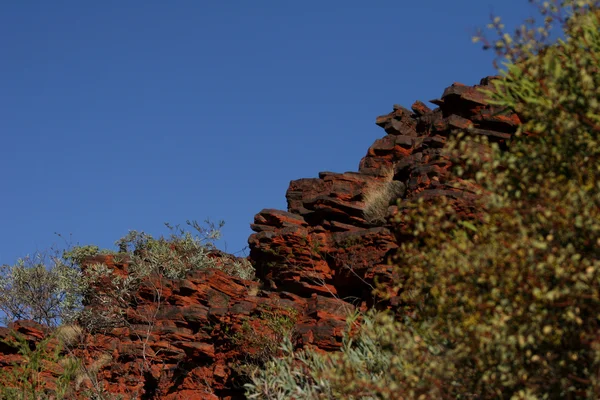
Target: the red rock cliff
pixel 315 262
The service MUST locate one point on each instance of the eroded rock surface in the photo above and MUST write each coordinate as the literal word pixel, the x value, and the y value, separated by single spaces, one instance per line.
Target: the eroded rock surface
pixel 323 243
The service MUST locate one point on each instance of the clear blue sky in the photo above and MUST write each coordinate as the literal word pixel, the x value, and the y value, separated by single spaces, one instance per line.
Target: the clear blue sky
pixel 120 115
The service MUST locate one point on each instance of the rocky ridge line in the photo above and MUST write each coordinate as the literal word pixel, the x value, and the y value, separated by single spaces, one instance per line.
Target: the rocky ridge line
pixel 316 262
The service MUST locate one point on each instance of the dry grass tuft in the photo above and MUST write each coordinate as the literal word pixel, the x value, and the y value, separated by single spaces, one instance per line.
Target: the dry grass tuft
pixel 69 335
pixel 379 195
pixel 90 373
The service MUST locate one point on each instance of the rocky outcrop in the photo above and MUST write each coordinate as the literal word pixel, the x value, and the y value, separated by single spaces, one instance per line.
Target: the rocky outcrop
pixel 315 262
pixel 186 339
pixel 324 244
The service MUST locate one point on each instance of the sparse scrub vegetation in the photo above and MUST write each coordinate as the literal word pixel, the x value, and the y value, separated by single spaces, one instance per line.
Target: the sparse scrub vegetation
pixel 371 364
pixel 24 381
pixel 169 257
pixel 264 334
pixel 54 294
pixel 50 289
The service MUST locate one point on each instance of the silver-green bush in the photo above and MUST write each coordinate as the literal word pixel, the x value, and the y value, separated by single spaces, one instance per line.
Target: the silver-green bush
pixel 376 361
pixel 35 289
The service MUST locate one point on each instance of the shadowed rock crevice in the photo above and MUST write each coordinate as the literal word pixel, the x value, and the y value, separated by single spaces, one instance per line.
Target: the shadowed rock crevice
pixel 150 386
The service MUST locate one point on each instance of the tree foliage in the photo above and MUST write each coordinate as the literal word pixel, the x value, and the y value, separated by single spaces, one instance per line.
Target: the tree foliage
pixel 40 290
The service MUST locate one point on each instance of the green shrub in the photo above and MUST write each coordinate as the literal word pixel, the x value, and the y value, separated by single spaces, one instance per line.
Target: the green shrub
pixel 171 257
pixel 46 292
pixel 181 252
pixel 376 361
pixel 261 336
pixel 24 381
pixel 75 255
pixel 55 292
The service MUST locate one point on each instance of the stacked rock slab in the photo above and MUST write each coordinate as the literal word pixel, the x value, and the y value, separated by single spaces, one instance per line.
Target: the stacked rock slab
pixel 182 339
pixel 318 261
pixel 323 243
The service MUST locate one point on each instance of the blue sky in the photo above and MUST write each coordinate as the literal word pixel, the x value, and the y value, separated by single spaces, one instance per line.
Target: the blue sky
pixel 121 115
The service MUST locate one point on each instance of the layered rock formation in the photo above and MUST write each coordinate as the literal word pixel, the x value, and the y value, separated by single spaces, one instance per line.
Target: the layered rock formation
pixel 317 261
pixel 186 339
pixel 324 244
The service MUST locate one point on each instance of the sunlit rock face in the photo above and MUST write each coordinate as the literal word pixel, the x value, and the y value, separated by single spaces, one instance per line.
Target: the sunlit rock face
pixel 315 263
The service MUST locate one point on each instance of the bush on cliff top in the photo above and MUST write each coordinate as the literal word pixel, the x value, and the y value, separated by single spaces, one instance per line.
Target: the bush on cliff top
pixel 40 290
pixel 505 305
pixel 53 292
